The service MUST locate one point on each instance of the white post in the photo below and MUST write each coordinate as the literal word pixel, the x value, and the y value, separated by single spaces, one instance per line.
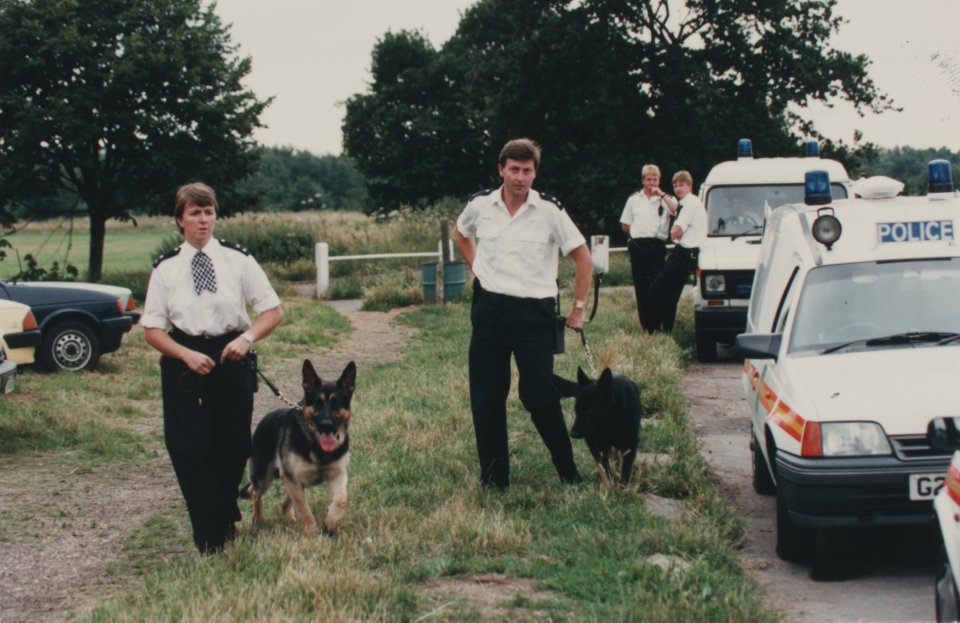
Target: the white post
pixel 323 268
pixel 600 250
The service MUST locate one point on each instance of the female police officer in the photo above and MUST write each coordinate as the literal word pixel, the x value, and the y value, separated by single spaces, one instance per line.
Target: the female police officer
pixel 199 291
pixel 515 264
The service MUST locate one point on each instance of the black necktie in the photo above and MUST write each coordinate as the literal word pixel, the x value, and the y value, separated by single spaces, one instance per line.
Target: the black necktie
pixel 203 276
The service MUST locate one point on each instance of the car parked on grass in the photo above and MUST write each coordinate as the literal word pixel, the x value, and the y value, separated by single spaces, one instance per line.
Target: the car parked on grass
pixel 78 322
pixel 19 333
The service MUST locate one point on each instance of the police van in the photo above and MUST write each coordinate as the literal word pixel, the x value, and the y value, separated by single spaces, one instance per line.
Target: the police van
pixel 852 347
pixel 738 195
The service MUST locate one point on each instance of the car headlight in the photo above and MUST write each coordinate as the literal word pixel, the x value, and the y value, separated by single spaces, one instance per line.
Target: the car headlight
pixel 853 439
pixel 714 284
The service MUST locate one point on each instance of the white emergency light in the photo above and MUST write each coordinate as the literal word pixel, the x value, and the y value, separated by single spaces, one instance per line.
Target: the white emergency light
pixel 600 252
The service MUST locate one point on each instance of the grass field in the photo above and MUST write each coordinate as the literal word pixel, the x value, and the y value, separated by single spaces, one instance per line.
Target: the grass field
pixel 420 530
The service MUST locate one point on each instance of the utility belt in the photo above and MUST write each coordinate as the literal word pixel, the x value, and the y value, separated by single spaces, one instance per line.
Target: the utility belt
pixel 212 346
pixel 648 244
pixel 479 292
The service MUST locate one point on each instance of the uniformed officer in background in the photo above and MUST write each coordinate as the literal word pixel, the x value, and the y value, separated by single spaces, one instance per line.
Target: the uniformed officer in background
pixel 688 232
pixel 510 238
pixel 646 221
pixel 199 292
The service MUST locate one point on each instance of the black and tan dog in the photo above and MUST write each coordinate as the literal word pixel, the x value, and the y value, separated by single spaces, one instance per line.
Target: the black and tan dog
pixel 608 417
pixel 306 446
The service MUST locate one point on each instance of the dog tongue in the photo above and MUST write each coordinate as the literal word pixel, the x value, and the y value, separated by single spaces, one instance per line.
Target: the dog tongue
pixel 328 442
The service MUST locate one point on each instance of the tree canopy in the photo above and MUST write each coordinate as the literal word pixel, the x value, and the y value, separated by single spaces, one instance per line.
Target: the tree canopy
pixel 118 102
pixel 293 180
pixel 605 86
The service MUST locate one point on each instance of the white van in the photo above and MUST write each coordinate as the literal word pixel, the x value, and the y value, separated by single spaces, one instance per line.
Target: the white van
pixel 738 195
pixel 852 347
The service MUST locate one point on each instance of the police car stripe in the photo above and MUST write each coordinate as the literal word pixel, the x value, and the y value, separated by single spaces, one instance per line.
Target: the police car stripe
pixel 780 413
pixel 953 483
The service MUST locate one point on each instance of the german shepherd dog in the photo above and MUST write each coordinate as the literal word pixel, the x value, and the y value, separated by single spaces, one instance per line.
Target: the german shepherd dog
pixel 304 446
pixel 607 417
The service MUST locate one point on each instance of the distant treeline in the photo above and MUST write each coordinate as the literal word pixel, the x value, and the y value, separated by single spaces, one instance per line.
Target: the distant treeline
pixel 909 165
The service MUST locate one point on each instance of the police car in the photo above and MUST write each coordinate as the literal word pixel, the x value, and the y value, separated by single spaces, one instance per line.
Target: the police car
pixel 738 195
pixel 852 347
pixel 944 434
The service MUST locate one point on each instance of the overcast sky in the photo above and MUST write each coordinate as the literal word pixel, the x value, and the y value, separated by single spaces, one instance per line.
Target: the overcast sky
pixel 311 55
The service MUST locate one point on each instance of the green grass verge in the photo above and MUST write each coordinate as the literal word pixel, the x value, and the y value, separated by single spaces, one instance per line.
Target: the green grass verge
pixel 417 514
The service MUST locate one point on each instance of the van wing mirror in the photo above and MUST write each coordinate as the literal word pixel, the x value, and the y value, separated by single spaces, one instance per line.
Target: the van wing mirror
pixel 759 345
pixel 943 434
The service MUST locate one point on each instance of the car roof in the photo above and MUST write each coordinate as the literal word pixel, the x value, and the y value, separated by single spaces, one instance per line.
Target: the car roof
pixel 755 171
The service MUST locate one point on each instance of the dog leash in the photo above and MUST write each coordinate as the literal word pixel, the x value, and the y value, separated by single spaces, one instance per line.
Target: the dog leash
pixel 597 280
pixel 276 392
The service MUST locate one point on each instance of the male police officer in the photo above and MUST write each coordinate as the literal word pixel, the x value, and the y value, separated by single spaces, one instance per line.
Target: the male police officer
pixel 510 237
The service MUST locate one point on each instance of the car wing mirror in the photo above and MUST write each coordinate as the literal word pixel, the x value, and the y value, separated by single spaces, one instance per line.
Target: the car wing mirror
pixel 943 434
pixel 758 345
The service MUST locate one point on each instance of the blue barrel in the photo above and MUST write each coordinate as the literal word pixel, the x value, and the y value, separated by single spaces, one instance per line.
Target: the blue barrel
pixel 454 279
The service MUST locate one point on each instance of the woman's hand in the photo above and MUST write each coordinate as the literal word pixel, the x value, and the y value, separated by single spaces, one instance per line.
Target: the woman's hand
pixel 198 362
pixel 236 350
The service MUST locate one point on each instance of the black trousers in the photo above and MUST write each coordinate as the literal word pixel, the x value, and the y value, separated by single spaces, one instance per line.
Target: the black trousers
pixel 524 328
pixel 647 256
pixel 665 291
pixel 206 426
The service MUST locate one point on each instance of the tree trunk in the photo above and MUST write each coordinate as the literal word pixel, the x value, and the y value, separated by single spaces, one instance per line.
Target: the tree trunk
pixel 98 234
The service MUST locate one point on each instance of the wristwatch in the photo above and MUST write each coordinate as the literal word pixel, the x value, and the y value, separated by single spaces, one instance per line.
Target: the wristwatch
pixel 247 337
pixel 579 304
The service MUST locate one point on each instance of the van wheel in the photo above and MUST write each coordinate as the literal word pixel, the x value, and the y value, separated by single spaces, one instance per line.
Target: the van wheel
pixel 69 345
pixel 794 544
pixel 762 480
pixel 945 587
pixel 706 348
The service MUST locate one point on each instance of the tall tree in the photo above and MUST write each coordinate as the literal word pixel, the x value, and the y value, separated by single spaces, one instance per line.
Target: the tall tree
pixel 608 85
pixel 118 102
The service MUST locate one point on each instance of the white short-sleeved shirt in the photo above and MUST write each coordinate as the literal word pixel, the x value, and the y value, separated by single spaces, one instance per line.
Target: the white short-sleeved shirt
pixel 517 255
pixel 171 299
pixel 693 221
pixel 648 217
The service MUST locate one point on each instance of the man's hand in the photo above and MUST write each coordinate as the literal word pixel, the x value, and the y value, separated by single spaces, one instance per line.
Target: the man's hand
pixel 575 319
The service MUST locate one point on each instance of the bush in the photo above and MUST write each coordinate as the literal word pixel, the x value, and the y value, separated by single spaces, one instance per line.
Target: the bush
pixel 268 241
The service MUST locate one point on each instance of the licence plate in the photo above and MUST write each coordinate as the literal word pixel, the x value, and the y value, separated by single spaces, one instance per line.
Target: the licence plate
pixel 925 486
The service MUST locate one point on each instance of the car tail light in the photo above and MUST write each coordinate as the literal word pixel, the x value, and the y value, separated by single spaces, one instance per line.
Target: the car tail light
pixel 29 322
pixel 131 305
pixel 811 443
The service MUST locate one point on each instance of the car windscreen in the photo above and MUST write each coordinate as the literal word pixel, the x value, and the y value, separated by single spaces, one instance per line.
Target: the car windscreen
pixel 738 210
pixel 874 301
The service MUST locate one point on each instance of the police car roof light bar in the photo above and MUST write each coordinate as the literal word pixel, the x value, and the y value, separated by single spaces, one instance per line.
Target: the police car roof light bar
pixel 816 188
pixel 744 148
pixel 811 148
pixel 939 176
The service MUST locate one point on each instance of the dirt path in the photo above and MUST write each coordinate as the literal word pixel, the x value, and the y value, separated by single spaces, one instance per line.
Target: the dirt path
pixel 60 529
pixel 859 575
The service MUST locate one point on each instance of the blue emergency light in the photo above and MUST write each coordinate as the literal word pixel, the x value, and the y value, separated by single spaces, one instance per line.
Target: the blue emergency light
pixel 811 148
pixel 939 176
pixel 744 148
pixel 816 188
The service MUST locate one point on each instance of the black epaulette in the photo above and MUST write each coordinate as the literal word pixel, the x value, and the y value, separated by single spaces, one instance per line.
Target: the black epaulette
pixel 552 200
pixel 166 256
pixel 235 246
pixel 481 193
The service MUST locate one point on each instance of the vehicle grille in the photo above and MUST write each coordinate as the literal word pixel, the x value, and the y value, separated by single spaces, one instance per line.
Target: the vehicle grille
pixel 908 447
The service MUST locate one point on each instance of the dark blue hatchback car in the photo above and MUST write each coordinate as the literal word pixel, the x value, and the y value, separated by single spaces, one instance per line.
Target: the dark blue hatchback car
pixel 78 323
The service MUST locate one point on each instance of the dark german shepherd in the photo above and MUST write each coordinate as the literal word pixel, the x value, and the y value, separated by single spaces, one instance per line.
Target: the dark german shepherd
pixel 306 446
pixel 607 417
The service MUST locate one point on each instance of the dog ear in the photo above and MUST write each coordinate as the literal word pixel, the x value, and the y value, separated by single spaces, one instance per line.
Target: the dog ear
pixel 348 378
pixel 605 384
pixel 567 389
pixel 310 376
pixel 582 377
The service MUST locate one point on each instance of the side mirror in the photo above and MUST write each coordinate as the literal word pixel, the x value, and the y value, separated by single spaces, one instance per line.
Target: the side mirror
pixel 943 434
pixel 759 345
